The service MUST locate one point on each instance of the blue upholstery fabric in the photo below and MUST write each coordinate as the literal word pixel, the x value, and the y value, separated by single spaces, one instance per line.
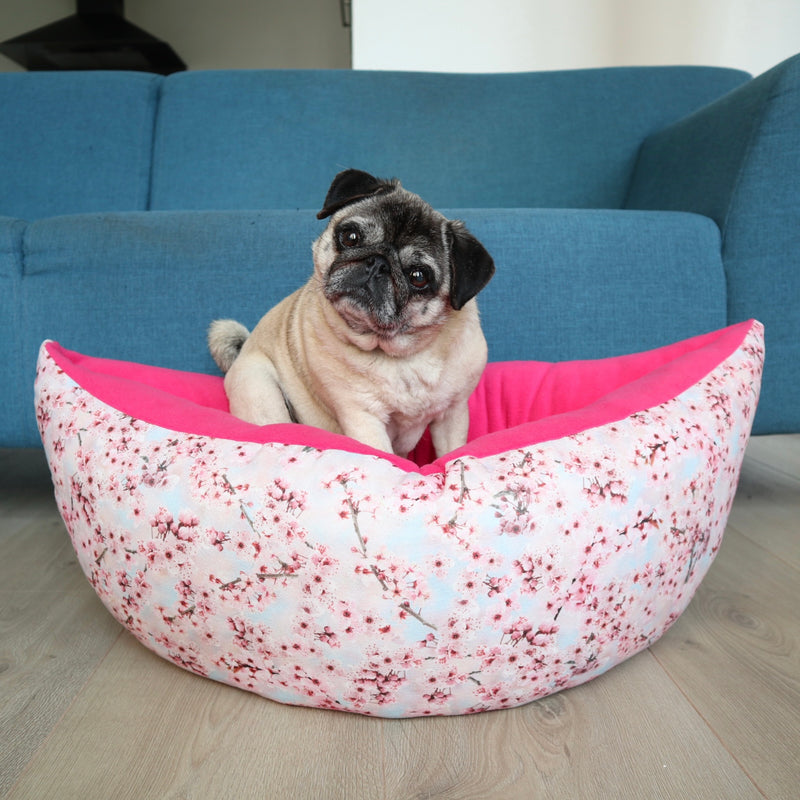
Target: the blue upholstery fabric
pixel 591 284
pixel 16 389
pixel 563 287
pixel 73 142
pixel 738 161
pixel 157 204
pixel 274 139
pixel 173 273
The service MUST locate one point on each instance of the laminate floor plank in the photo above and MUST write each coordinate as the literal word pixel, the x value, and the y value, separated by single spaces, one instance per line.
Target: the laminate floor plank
pixel 781 452
pixel 767 506
pixel 736 657
pixel 628 734
pixel 180 736
pixel 26 493
pixel 53 633
pixel 39 559
pixel 143 728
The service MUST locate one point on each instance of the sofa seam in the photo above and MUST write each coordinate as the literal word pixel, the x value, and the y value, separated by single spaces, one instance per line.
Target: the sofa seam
pixel 634 171
pixel 158 95
pixel 754 134
pixel 21 321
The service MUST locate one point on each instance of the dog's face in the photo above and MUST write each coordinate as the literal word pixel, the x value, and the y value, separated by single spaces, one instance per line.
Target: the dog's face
pixel 391 265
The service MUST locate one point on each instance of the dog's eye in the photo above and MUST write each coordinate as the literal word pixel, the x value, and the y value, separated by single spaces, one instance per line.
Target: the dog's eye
pixel 418 279
pixel 349 237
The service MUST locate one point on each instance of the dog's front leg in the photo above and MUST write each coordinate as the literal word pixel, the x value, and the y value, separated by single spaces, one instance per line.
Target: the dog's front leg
pixel 254 391
pixel 367 429
pixel 450 430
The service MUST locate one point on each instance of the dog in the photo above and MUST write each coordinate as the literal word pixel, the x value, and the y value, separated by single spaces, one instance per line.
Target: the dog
pixel 383 341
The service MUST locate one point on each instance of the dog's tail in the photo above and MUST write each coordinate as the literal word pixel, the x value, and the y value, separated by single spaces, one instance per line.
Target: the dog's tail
pixel 225 340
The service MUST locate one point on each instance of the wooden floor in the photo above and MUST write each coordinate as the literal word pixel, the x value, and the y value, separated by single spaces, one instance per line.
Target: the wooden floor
pixel 711 711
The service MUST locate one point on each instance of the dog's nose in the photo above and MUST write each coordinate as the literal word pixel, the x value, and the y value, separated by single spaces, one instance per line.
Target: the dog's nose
pixel 376 265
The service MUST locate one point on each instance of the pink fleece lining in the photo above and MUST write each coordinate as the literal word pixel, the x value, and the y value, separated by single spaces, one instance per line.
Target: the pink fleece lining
pixel 516 404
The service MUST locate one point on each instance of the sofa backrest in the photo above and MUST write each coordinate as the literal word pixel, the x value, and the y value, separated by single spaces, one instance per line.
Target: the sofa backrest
pixel 276 139
pixel 98 141
pixel 75 142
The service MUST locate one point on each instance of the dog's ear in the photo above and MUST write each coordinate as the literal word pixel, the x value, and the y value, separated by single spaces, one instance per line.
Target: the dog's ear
pixel 352 185
pixel 471 266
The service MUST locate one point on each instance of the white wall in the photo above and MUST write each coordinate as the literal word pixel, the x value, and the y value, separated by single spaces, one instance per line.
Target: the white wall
pixel 512 35
pixel 215 34
pixel 452 35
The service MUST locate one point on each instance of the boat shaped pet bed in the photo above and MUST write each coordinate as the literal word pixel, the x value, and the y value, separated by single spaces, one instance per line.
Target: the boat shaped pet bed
pixel 567 535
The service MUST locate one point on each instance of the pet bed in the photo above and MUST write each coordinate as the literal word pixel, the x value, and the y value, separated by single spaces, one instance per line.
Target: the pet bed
pixel 567 535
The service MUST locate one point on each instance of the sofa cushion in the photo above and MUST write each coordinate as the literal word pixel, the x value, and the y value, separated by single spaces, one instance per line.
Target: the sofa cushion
pixel 75 142
pixel 144 286
pixel 593 284
pixel 275 139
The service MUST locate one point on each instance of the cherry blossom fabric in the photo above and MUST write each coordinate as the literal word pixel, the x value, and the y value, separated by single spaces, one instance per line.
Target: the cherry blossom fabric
pixel 316 572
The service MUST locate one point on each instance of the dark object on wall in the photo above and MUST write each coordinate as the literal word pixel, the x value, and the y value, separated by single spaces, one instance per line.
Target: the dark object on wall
pixel 96 37
pixel 346 10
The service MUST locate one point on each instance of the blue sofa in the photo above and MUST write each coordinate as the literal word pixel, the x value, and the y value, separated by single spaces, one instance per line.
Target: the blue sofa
pixel 625 208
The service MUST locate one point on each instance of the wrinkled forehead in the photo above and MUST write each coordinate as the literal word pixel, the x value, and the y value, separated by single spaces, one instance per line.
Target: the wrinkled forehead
pixel 400 217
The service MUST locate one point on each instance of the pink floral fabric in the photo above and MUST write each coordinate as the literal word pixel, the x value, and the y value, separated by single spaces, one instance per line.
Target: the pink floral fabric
pixel 337 580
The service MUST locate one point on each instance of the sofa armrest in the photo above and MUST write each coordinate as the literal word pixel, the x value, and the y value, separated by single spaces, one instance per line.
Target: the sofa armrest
pixel 737 161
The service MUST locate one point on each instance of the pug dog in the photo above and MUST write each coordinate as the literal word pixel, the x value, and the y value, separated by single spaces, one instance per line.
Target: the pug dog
pixel 383 341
